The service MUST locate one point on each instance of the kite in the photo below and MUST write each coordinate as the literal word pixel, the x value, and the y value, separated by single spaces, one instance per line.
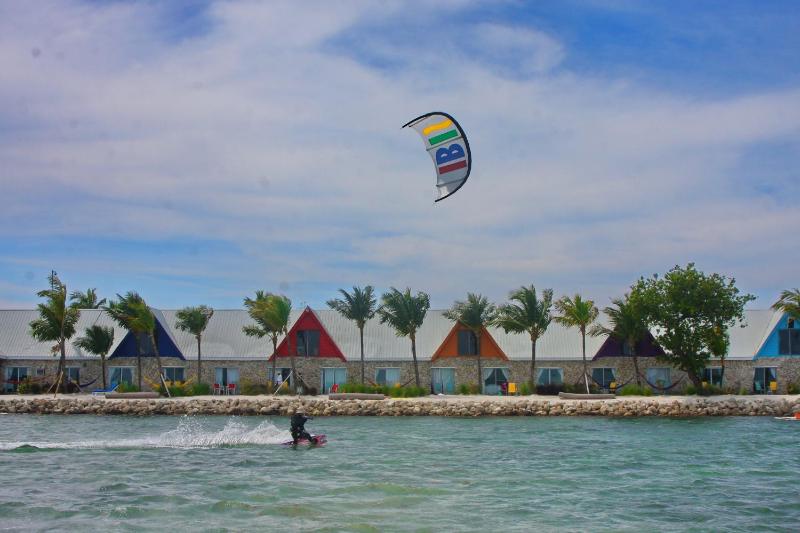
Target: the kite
pixel 447 145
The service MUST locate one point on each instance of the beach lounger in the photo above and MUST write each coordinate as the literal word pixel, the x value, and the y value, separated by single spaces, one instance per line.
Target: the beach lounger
pixel 105 391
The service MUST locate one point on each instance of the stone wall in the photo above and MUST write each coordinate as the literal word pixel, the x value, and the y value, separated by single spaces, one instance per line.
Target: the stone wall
pixel 435 406
pixel 738 374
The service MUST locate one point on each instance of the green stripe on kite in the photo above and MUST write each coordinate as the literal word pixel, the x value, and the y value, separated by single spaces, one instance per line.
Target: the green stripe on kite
pixel 443 137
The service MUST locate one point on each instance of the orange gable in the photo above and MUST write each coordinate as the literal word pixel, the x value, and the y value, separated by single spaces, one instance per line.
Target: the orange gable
pixel 488 348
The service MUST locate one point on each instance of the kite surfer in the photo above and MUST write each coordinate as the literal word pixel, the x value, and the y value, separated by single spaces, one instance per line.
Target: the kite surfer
pixel 298 428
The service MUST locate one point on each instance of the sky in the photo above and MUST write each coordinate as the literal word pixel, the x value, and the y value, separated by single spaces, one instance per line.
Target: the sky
pixel 197 151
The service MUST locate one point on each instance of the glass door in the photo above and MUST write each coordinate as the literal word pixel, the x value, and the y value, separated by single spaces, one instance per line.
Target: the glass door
pixel 331 377
pixel 494 380
pixel 443 380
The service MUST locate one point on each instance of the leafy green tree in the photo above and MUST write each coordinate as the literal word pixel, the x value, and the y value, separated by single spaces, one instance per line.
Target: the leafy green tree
pixel 690 311
pixel 97 340
pixel 527 313
pixel 195 320
pixel 358 306
pixel 132 313
pixel 405 313
pixel 627 326
pixel 56 322
pixel 86 300
pixel 271 315
pixel 474 313
pixel 580 313
pixel 789 303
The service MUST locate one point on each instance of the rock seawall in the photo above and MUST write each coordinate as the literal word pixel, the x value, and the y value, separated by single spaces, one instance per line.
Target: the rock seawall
pixel 435 406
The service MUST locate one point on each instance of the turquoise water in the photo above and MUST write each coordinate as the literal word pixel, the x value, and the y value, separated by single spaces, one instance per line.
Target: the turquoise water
pixel 399 474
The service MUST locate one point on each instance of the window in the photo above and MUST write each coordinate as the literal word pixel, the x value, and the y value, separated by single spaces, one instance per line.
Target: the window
pixel 331 377
pixel 73 374
pixel 790 323
pixel 604 376
pixel 625 349
pixel 120 374
pixel 762 377
pixel 467 342
pixel 494 379
pixel 14 375
pixel 308 342
pixel 174 373
pixel 658 377
pixel 713 375
pixel 387 376
pixel 550 376
pixel 789 341
pixel 226 376
pixel 443 380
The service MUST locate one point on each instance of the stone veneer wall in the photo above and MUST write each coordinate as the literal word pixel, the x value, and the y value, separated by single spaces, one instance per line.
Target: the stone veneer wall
pixel 738 374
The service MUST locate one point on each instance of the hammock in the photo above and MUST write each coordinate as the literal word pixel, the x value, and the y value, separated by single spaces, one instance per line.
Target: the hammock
pixel 662 389
pixel 618 387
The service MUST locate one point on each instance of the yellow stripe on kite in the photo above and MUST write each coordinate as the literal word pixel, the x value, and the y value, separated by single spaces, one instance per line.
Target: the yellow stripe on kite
pixel 446 123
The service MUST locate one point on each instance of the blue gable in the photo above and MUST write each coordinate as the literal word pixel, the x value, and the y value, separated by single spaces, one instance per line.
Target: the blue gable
pixel 772 346
pixel 166 348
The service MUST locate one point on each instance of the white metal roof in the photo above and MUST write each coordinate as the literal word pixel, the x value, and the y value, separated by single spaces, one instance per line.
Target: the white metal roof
pixel 224 339
pixel 16 341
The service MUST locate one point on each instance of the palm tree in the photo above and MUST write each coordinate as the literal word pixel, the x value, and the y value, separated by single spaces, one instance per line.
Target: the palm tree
pixel 528 314
pixel 405 313
pixel 577 312
pixel 98 341
pixel 359 306
pixel 789 303
pixel 132 313
pixel 627 326
pixel 474 314
pixel 195 320
pixel 56 321
pixel 271 314
pixel 86 300
pixel 277 314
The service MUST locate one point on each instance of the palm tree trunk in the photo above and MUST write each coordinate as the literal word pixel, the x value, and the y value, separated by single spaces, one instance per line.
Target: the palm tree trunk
pixel 103 370
pixel 361 335
pixel 199 366
pixel 293 381
pixel 533 363
pixel 636 364
pixel 138 360
pixel 480 363
pixel 274 363
pixel 585 368
pixel 414 357
pixel 62 364
pixel 158 360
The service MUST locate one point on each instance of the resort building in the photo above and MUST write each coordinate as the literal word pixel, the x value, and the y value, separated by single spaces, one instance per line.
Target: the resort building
pixel 763 357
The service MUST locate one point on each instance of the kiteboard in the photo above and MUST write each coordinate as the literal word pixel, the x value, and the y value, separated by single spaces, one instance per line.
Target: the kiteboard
pixel 316 440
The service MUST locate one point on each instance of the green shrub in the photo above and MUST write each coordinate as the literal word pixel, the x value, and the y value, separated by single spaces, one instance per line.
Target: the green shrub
pixel 632 389
pixel 525 388
pixel 793 388
pixel 27 386
pixel 127 387
pixel 253 389
pixel 549 390
pixel 200 389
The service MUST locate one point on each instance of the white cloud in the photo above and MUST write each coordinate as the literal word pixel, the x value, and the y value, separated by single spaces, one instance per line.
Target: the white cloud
pixel 259 134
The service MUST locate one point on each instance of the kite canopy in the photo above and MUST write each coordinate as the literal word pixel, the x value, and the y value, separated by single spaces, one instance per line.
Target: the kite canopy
pixel 447 145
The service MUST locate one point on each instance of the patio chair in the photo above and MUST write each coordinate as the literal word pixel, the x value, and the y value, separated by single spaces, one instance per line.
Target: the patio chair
pixel 217 389
pixel 512 389
pixel 106 391
pixel 231 390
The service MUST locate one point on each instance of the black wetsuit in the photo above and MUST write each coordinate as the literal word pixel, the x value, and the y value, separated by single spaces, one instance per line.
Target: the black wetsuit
pixel 298 428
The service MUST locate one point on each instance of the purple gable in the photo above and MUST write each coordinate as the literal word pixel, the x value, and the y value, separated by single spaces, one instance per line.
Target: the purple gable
pixel 647 347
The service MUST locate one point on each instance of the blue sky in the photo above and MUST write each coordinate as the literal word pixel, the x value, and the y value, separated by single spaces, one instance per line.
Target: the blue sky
pixel 198 151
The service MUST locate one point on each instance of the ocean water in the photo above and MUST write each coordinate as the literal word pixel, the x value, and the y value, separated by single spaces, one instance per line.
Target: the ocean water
pixel 82 473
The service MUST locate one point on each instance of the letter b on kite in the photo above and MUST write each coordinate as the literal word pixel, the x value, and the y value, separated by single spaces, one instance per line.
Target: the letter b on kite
pixel 451 153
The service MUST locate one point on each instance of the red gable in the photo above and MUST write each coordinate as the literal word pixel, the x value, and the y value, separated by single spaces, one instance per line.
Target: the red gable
pixel 308 321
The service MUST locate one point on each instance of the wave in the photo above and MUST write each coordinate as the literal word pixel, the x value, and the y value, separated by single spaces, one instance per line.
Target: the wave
pixel 190 433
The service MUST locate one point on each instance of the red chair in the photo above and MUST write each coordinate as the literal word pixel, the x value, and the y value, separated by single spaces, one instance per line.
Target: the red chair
pixel 217 389
pixel 335 388
pixel 231 389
